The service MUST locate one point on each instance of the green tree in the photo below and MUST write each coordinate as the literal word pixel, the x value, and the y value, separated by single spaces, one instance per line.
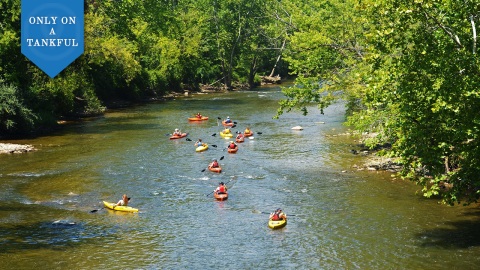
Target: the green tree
pixel 414 67
pixel 13 113
pixel 326 52
pixel 423 91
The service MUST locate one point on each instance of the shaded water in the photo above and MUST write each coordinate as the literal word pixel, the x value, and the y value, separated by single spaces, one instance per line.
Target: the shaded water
pixel 354 220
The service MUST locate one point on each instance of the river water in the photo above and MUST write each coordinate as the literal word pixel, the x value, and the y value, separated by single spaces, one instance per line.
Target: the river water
pixel 352 220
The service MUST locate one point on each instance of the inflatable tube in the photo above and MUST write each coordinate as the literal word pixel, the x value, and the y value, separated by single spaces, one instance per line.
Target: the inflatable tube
pixel 229 135
pixel 216 169
pixel 197 119
pixel 248 134
pixel 178 137
pixel 225 124
pixel 221 197
pixel 277 224
pixel 120 208
pixel 202 148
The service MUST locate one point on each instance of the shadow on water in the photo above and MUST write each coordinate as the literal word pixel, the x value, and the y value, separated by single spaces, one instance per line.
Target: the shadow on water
pixel 20 231
pixel 131 124
pixel 47 235
pixel 459 234
pixel 217 99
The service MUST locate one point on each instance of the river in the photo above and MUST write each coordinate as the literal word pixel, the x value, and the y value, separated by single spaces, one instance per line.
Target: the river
pixel 352 220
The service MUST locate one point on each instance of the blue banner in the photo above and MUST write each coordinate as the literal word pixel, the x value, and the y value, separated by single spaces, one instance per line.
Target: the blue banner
pixel 52 33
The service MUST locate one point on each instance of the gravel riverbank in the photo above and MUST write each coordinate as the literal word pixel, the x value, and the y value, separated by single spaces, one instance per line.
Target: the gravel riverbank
pixel 10 148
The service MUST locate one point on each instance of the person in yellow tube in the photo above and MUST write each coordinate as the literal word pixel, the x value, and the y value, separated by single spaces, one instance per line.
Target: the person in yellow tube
pixel 122 202
pixel 278 215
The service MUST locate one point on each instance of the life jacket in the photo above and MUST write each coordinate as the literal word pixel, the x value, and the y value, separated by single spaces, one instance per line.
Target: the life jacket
pixel 276 216
pixel 214 164
pixel 228 121
pixel 221 189
pixel 239 136
pixel 199 144
pixel 231 146
pixel 247 131
pixel 199 116
pixel 226 131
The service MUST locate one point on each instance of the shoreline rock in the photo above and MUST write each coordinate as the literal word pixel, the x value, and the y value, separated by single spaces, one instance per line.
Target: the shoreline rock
pixel 208 88
pixel 371 161
pixel 379 163
pixel 270 80
pixel 10 148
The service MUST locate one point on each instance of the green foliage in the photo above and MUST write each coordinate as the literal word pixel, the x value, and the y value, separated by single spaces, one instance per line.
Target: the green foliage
pixel 327 53
pixel 257 80
pixel 139 48
pixel 414 67
pixel 13 113
pixel 423 92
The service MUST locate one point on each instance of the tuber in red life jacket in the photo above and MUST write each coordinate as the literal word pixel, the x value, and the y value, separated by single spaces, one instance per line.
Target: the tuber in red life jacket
pixel 276 216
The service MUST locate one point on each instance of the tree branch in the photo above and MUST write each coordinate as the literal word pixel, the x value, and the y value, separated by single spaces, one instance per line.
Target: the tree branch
pixel 474 34
pixel 339 48
pixel 282 20
pixel 452 36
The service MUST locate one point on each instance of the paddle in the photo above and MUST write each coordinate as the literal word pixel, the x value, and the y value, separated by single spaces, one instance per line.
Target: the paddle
pixel 214 145
pixel 214 134
pixel 259 133
pixel 188 140
pixel 96 210
pixel 233 126
pixel 209 165
pixel 288 215
pixel 233 178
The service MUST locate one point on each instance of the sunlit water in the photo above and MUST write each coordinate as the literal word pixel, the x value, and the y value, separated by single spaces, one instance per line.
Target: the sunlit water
pixel 353 220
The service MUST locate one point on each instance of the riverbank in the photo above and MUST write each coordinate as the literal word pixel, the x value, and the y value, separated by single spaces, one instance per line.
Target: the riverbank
pixel 121 103
pixel 10 148
pixel 372 161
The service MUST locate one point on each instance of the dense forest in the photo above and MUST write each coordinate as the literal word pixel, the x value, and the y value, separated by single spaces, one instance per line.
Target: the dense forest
pixel 136 49
pixel 408 69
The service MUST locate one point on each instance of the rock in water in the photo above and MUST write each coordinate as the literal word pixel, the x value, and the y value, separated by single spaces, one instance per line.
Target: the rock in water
pixel 64 223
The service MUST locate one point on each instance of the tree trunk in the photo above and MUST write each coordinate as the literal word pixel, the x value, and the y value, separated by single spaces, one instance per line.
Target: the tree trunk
pixel 230 69
pixel 220 48
pixel 278 58
pixel 253 71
